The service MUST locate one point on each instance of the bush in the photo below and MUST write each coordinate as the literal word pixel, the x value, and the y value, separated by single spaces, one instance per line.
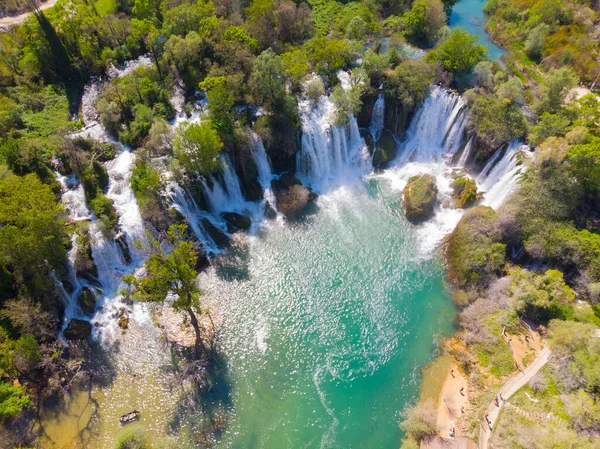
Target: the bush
pixel 103 208
pixel 420 420
pixel 495 121
pixel 458 53
pixel 132 438
pixel 198 147
pixel 474 252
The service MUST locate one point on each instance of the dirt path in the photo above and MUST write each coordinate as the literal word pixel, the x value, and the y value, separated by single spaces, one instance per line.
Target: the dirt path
pixel 451 401
pixel 15 20
pixel 508 389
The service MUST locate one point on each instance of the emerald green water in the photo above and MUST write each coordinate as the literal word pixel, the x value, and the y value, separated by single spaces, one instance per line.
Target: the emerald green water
pixel 327 323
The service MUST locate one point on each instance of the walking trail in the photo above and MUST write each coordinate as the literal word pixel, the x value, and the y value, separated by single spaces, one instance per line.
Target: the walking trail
pixel 508 389
pixel 15 20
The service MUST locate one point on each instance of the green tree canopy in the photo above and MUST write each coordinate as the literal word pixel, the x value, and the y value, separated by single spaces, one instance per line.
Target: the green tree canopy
pixel 170 272
pixel 458 53
pixel 268 78
pixel 198 147
pixel 31 231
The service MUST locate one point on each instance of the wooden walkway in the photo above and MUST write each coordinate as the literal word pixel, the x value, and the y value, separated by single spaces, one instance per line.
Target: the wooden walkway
pixel 508 389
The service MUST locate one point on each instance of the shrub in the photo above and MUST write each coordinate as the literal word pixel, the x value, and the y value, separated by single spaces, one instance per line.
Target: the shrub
pixel 458 53
pixel 132 438
pixel 474 252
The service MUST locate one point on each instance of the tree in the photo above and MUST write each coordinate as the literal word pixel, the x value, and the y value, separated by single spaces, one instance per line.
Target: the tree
pixel 495 121
pixel 160 138
pixel 198 147
pixel 420 420
pixel 548 125
pixel 267 80
pixel 147 9
pixel 410 82
pixel 220 102
pixel 554 89
pixel 585 162
pixel 199 16
pixel 31 232
pixel 541 297
pixel 29 318
pixel 424 21
pixel 296 65
pixel 328 55
pixel 458 53
pixel 511 92
pixel 171 273
pixel 12 400
pixel 536 40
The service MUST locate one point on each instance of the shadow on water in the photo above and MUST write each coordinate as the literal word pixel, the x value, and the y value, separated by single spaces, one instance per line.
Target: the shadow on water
pixel 97 371
pixel 234 264
pixel 203 411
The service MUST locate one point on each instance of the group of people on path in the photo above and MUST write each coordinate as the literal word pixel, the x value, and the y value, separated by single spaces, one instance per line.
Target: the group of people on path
pixel 497 400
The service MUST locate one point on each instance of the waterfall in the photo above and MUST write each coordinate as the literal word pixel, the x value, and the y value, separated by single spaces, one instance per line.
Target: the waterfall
pixel 466 153
pixel 499 177
pixel 119 190
pixel 73 198
pixel 263 166
pixel 329 152
pixel 185 204
pixel 376 125
pixel 225 195
pixel 437 129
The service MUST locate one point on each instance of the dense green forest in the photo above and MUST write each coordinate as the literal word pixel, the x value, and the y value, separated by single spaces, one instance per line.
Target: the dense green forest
pixel 537 257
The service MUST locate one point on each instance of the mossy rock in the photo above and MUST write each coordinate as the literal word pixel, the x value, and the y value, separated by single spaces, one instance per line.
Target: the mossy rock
pixel 270 211
pixel 87 301
pixel 386 150
pixel 78 330
pixel 465 192
pixel 123 321
pixel 219 237
pixel 420 197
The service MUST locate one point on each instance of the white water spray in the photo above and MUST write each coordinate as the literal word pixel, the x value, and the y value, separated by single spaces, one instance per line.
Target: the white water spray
pixel 500 176
pixel 377 118
pixel 329 152
pixel 437 129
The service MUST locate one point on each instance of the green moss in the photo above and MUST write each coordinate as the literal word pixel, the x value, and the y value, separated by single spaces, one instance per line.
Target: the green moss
pixel 465 192
pixel 420 195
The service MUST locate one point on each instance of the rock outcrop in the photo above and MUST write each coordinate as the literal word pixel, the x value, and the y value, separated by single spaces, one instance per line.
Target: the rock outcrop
pixel 385 151
pixel 464 192
pixel 87 301
pixel 78 330
pixel 420 197
pixel 236 222
pixel 219 237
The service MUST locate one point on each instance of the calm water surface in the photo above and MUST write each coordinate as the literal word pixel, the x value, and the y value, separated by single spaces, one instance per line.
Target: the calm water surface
pixel 468 14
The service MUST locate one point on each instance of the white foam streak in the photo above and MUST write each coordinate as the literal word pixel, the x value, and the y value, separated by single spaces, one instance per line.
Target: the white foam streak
pixel 500 177
pixel 377 118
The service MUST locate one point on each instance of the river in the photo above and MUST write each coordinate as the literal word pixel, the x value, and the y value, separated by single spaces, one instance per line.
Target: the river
pixel 468 14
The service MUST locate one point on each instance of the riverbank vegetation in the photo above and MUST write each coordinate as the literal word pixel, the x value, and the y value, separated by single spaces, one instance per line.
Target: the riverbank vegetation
pixel 529 270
